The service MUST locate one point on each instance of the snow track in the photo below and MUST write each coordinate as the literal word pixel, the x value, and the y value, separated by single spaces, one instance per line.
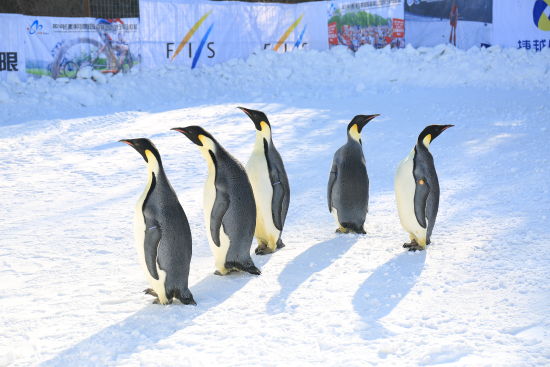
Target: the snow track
pixel 70 289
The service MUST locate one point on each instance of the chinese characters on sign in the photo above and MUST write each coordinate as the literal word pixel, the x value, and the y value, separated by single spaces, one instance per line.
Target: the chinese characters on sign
pixel 8 61
pixel 92 27
pixel 536 45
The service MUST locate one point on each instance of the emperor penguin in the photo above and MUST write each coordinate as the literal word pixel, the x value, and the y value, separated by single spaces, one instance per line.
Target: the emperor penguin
pixel 162 233
pixel 229 208
pixel 348 183
pixel 267 175
pixel 417 190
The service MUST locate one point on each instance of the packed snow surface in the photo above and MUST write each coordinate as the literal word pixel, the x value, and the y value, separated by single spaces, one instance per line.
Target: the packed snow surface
pixel 70 283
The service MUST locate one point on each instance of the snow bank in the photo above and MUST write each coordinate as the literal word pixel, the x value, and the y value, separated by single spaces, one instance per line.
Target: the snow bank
pixel 278 76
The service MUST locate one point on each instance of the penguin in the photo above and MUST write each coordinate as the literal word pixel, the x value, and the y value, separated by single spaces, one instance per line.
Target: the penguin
pixel 267 175
pixel 162 233
pixel 229 208
pixel 417 190
pixel 348 183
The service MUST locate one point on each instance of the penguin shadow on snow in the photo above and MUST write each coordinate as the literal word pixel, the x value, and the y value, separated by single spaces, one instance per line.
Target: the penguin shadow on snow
pixel 153 323
pixel 384 289
pixel 313 260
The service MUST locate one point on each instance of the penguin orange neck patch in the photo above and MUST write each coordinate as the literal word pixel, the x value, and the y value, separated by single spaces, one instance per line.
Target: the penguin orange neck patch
pixel 427 140
pixel 152 162
pixel 354 132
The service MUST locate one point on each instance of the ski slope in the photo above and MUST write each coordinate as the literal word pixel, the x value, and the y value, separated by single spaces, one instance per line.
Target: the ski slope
pixel 70 283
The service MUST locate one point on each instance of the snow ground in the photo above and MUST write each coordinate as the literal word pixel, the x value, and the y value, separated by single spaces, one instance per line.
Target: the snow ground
pixel 70 289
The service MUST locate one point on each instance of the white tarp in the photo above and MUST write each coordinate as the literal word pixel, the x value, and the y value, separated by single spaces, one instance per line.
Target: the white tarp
pixel 12 54
pixel 522 24
pixel 375 22
pixel 190 33
pixel 60 47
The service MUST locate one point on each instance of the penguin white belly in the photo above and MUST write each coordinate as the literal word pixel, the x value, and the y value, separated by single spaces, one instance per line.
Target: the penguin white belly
pixel 220 253
pixel 334 213
pixel 405 187
pixel 258 174
pixel 139 235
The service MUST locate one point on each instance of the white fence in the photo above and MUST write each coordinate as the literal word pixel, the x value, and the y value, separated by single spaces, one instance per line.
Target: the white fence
pixel 190 33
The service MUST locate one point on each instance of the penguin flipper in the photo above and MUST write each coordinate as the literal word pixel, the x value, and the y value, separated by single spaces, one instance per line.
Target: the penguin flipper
pixel 331 181
pixel 277 201
pixel 221 204
pixel 151 242
pixel 421 194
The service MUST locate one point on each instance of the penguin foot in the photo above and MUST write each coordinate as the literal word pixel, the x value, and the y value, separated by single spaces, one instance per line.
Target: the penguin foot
pixel 413 246
pixel 280 244
pixel 151 292
pixel 253 270
pixel 219 273
pixel 158 302
pixel 247 267
pixel 188 301
pixel 350 230
pixel 184 297
pixel 263 249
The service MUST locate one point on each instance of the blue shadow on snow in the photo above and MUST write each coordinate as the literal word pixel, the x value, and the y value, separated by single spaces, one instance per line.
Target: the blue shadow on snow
pixel 384 289
pixel 151 324
pixel 309 262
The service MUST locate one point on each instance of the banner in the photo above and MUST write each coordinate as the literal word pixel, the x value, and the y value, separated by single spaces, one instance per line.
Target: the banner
pixel 522 24
pixel 463 23
pixel 12 54
pixel 377 22
pixel 206 33
pixel 61 47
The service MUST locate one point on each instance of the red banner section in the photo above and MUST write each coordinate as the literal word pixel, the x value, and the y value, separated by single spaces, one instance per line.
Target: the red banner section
pixel 398 26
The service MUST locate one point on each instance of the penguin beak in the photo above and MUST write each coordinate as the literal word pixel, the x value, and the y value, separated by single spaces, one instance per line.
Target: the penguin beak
pixel 256 123
pixel 361 124
pixel 445 127
pixel 133 145
pixel 245 111
pixel 127 142
pixel 189 135
pixel 180 130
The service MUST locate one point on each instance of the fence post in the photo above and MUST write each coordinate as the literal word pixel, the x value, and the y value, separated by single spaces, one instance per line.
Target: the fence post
pixel 86 6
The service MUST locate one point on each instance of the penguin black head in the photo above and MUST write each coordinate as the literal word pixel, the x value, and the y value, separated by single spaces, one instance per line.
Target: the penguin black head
pixel 143 145
pixel 357 124
pixel 360 121
pixel 257 117
pixel 194 133
pixel 431 132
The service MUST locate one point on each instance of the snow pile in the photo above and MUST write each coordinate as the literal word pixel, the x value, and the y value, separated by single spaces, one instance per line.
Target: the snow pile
pixel 271 75
pixel 70 289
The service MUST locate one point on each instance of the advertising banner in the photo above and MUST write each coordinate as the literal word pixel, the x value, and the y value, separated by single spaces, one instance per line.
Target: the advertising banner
pixel 376 22
pixel 12 53
pixel 60 47
pixel 463 23
pixel 206 33
pixel 522 24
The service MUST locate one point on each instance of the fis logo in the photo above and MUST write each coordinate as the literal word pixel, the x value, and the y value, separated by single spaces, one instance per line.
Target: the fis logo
pixel 282 44
pixel 185 41
pixel 541 14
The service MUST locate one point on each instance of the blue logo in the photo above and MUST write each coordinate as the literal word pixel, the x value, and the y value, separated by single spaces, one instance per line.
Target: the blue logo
pixel 35 28
pixel 541 14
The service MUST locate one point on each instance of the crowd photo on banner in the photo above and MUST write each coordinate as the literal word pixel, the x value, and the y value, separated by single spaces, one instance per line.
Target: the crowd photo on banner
pixel 376 23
